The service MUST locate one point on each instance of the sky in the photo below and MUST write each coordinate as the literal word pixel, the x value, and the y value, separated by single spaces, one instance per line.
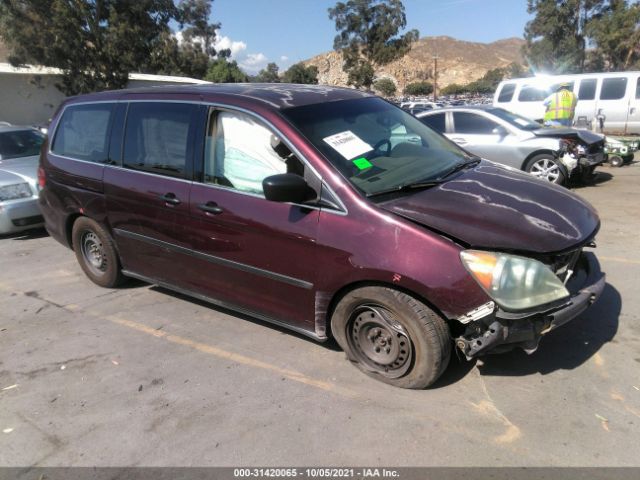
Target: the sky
pixel 287 31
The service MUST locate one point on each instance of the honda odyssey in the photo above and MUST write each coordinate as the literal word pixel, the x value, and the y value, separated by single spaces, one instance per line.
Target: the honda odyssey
pixel 326 210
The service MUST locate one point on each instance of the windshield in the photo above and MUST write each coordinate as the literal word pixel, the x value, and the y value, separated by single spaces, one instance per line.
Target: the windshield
pixel 20 143
pixel 518 121
pixel 376 145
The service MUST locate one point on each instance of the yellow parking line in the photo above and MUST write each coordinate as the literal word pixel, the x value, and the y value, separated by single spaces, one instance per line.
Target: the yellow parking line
pixel 619 259
pixel 234 357
pixel 205 348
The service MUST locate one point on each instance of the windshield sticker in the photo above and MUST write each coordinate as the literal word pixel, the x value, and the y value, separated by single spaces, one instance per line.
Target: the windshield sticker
pixel 522 122
pixel 348 144
pixel 362 163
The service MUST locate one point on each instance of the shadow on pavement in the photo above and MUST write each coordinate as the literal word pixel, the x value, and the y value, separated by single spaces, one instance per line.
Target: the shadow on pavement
pixel 27 234
pixel 566 348
pixel 598 178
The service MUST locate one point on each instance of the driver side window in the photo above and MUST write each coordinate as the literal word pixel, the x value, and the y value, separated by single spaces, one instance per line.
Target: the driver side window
pixel 238 152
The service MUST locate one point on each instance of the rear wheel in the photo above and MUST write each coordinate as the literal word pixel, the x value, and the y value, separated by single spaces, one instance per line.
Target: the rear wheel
pixel 96 253
pixel 546 167
pixel 392 337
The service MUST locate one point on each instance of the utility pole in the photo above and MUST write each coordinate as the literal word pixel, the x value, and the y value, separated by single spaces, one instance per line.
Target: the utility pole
pixel 435 77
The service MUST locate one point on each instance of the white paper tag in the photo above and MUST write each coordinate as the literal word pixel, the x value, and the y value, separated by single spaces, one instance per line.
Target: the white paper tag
pixel 348 144
pixel 522 122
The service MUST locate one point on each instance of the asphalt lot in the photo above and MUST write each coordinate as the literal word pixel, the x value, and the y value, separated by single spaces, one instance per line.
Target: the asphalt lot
pixel 144 377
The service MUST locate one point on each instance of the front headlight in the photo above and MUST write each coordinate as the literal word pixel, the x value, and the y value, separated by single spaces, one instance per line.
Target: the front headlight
pixel 515 283
pixel 12 192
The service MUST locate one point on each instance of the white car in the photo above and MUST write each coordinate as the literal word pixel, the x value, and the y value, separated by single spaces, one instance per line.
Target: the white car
pixel 19 152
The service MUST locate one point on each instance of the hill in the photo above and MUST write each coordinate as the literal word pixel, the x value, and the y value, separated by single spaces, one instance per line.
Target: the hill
pixel 458 62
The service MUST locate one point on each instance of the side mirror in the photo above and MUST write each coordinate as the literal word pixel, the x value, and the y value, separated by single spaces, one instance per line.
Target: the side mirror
pixel 500 130
pixel 287 187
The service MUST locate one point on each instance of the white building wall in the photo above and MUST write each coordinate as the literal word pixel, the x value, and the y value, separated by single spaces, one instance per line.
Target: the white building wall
pixel 28 98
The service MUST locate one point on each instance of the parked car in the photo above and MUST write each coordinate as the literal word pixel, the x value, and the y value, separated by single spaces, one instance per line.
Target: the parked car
pixel 550 153
pixel 608 102
pixel 326 210
pixel 415 107
pixel 19 151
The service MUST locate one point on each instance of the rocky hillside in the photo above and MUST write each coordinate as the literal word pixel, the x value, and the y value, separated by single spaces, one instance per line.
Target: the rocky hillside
pixel 459 62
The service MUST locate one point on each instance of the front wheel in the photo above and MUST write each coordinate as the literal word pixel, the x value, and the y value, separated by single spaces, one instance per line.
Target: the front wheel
pixel 392 337
pixel 96 253
pixel 546 167
pixel 616 160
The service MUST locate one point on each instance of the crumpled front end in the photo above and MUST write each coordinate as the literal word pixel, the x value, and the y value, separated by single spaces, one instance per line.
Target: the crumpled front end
pixel 490 329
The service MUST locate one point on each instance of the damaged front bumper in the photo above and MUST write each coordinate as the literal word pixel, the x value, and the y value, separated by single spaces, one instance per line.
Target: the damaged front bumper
pixel 502 331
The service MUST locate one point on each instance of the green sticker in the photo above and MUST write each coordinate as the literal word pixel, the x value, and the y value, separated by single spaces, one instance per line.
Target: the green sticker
pixel 362 163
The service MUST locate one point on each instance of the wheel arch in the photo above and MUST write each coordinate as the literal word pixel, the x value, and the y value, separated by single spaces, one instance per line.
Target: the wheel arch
pixel 345 289
pixel 544 151
pixel 68 227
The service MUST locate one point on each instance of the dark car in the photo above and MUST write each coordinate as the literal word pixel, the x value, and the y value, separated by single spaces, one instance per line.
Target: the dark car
pixel 326 210
pixel 551 153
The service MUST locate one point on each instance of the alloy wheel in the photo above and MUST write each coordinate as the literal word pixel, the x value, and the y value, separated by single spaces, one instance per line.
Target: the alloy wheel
pixel 546 169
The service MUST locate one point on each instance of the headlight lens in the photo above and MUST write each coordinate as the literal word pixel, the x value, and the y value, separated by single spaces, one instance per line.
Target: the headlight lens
pixel 12 192
pixel 515 283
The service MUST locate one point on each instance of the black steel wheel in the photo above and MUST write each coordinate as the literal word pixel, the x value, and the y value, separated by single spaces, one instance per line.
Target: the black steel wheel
pixel 96 253
pixel 391 336
pixel 379 342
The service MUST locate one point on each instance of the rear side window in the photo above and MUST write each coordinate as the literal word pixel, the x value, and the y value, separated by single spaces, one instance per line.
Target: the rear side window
pixel 472 123
pixel 435 122
pixel 531 94
pixel 506 94
pixel 158 137
pixel 587 89
pixel 613 88
pixel 638 88
pixel 82 132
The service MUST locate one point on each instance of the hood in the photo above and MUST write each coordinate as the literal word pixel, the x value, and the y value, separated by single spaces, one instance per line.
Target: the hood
pixel 498 208
pixel 589 138
pixel 24 166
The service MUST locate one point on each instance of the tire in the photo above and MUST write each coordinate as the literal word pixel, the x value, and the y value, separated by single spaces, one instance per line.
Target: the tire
pixel 96 253
pixel 546 167
pixel 413 342
pixel 616 161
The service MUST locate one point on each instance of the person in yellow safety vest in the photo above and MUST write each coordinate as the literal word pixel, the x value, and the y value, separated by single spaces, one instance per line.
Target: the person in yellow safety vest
pixel 560 106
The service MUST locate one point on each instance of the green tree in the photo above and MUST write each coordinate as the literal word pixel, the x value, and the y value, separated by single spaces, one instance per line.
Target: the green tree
pixel 418 88
pixel 95 43
pixel 385 86
pixel 224 71
pixel 615 32
pixel 556 36
pixel 299 73
pixel 269 74
pixel 369 36
pixel 454 89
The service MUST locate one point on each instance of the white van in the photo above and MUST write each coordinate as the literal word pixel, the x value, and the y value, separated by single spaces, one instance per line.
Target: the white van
pixel 612 99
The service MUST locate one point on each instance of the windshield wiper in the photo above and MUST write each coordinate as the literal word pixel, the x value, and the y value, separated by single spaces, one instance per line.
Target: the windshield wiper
pixel 461 166
pixel 405 188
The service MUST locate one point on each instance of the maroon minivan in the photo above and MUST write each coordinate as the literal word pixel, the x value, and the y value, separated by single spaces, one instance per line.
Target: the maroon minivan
pixel 326 210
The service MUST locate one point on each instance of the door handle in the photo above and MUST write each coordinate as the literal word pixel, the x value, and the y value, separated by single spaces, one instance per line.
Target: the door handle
pixel 632 111
pixel 170 198
pixel 210 207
